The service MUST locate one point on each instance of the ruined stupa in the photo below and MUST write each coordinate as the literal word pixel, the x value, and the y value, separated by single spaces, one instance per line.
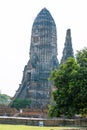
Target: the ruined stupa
pixel 43 59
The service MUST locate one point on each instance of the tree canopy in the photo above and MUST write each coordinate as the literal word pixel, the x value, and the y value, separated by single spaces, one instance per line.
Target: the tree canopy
pixel 4 99
pixel 70 81
pixel 21 103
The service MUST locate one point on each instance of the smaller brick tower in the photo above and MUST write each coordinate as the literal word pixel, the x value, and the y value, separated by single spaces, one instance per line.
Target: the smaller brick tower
pixel 68 50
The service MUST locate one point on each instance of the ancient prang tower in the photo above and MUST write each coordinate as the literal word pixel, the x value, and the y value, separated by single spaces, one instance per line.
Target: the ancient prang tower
pixel 35 84
pixel 68 50
pixel 43 59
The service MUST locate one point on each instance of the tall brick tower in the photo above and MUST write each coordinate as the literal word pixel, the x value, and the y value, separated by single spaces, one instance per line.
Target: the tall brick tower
pixel 43 59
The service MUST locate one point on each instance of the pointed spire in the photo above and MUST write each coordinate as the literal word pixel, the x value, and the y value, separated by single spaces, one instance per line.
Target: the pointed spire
pixel 68 50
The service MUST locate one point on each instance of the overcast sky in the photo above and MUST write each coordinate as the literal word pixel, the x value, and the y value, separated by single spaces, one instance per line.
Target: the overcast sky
pixel 16 19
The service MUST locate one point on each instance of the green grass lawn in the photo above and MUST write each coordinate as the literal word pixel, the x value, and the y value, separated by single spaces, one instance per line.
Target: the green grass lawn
pixel 23 127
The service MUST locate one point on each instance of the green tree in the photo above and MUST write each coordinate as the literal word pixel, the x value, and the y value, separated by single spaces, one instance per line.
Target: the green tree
pixel 21 103
pixel 5 99
pixel 70 81
pixel 81 58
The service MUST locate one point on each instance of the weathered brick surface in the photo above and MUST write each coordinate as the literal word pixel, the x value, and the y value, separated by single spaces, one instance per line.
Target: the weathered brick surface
pixel 7 111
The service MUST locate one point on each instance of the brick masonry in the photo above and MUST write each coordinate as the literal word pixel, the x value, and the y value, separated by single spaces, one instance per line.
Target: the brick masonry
pixel 46 122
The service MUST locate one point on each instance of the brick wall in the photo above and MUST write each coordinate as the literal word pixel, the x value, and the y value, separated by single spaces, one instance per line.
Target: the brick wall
pixel 46 122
